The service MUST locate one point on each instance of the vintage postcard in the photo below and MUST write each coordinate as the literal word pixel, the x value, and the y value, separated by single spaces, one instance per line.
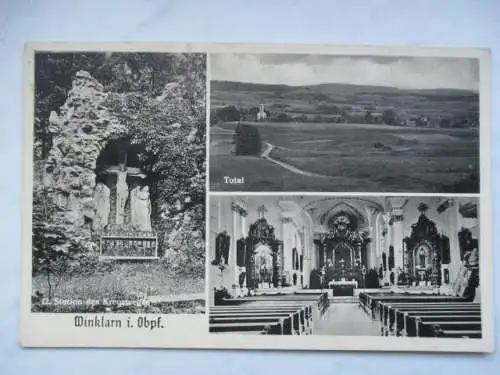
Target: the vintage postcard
pixel 257 196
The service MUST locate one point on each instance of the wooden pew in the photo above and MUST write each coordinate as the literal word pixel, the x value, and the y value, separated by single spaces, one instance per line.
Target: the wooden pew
pixel 423 315
pixel 320 300
pixel 298 323
pixel 407 320
pixel 435 328
pixel 290 324
pixel 389 311
pixel 449 333
pixel 318 303
pixel 400 317
pixel 302 314
pixel 274 327
pixel 300 308
pixel 392 315
pixel 374 302
pixel 241 322
pixel 421 320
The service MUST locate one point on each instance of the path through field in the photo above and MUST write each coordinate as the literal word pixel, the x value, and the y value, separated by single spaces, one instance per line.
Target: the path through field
pixel 265 155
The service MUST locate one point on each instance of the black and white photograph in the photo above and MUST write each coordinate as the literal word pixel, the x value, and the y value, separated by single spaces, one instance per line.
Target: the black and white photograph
pixel 119 154
pixel 332 203
pixel 344 123
pixel 399 266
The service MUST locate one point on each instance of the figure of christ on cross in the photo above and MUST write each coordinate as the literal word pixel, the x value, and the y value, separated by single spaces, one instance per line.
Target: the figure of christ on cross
pixel 122 189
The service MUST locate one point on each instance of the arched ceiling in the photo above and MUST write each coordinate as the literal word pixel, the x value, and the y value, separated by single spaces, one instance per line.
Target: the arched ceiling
pixel 318 210
pixel 321 209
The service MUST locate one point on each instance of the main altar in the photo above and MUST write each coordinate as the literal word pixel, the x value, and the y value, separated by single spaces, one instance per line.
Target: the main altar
pixel 342 254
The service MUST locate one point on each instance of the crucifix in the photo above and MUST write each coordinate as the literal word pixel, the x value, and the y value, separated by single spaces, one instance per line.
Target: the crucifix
pixel 122 171
pixel 262 211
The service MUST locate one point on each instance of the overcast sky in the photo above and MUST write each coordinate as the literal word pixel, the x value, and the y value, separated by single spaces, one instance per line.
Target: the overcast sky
pixel 296 70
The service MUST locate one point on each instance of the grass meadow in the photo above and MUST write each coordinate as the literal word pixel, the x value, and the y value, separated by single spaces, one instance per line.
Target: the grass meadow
pixel 354 157
pixel 119 281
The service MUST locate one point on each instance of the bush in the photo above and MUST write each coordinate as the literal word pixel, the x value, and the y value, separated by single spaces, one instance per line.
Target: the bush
pixel 389 117
pixel 247 140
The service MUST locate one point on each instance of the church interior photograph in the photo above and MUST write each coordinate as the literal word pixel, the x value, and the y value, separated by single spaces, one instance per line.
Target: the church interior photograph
pixel 348 266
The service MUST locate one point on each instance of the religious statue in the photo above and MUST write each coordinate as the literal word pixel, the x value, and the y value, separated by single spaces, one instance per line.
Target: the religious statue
pixel 422 258
pixel 121 194
pixel 140 208
pixel 222 243
pixel 102 205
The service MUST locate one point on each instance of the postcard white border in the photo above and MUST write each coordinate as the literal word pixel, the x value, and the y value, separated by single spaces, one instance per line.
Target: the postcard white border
pixel 191 331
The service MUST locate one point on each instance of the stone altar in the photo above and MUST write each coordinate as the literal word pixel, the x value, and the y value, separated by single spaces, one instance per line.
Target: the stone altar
pixel 343 287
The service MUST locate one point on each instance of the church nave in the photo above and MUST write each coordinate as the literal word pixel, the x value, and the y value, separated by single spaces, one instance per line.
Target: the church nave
pixel 330 255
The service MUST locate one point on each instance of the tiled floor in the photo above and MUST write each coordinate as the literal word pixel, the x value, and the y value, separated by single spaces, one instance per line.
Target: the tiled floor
pixel 346 319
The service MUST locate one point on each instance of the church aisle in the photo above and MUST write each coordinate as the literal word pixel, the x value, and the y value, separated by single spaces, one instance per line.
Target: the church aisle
pixel 346 319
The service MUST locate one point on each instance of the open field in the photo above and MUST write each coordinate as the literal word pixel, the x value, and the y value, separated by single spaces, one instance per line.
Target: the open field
pixel 327 99
pixel 368 158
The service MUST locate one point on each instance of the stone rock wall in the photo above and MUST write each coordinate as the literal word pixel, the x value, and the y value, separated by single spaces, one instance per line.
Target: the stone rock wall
pixel 184 242
pixel 80 132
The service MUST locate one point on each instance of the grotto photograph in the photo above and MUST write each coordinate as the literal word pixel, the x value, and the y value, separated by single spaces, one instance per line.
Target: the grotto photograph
pixel 119 158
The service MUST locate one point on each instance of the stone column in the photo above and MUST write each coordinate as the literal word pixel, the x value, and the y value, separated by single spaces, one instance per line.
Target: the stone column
pixel 386 242
pixel 449 209
pixel 244 233
pixel 453 220
pixel 235 234
pixel 398 246
pixel 244 229
pixel 307 255
pixel 369 248
pixel 398 205
pixel 304 259
pixel 219 214
pixel 378 239
pixel 287 260
pixel 323 245
pixel 314 255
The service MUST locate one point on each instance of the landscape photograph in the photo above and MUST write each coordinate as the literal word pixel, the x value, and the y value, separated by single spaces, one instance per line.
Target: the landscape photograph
pixel 297 122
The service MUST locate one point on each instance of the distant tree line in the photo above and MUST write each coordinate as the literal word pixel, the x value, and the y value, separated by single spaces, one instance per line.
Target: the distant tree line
pixel 325 113
pixel 142 73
